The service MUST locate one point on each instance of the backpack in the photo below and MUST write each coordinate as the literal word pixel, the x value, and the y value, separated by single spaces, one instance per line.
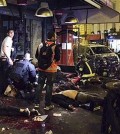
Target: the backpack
pixel 18 72
pixel 45 57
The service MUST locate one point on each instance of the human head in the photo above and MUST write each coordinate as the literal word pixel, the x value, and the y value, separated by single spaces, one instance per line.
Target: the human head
pixel 51 35
pixel 10 33
pixel 27 56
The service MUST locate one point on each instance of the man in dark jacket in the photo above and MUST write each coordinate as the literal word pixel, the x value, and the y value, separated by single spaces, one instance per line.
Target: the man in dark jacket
pixel 22 74
pixel 47 76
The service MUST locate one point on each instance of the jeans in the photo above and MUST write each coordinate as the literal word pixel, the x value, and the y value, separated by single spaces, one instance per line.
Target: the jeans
pixel 48 79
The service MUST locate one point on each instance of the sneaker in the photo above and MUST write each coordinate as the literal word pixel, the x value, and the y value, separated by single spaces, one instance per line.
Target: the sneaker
pixel 34 112
pixel 26 112
pixel 49 107
pixel 36 105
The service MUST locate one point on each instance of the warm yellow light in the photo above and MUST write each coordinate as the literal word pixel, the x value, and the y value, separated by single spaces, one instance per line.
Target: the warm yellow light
pixel 3 3
pixel 71 20
pixel 44 10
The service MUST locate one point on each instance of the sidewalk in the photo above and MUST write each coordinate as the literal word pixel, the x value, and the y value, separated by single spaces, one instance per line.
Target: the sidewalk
pixel 59 121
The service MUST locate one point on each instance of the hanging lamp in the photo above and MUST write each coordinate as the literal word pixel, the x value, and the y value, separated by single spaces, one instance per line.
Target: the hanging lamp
pixel 43 10
pixel 3 3
pixel 71 19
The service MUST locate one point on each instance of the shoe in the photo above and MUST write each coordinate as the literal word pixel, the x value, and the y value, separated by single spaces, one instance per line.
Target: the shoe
pixel 34 112
pixel 49 107
pixel 26 112
pixel 36 105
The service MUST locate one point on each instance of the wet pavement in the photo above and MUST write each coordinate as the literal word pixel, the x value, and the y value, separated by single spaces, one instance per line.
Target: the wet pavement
pixel 59 120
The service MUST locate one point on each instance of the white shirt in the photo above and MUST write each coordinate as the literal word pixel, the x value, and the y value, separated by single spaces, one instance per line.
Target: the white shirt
pixel 7 42
pixel 39 47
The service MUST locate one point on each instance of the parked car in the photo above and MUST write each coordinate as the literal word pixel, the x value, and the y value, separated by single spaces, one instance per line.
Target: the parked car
pixel 105 60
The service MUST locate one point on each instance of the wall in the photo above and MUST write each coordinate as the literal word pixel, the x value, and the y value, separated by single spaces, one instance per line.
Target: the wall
pixel 36 36
pixel 32 29
pixel 117 4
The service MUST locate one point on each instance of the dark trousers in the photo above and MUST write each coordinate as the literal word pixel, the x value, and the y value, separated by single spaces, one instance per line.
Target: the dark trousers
pixel 4 66
pixel 11 111
pixel 48 79
pixel 64 101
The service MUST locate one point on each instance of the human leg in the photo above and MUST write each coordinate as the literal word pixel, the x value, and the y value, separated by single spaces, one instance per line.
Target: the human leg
pixel 86 98
pixel 41 82
pixel 49 88
pixel 14 111
pixel 3 75
pixel 82 97
pixel 60 99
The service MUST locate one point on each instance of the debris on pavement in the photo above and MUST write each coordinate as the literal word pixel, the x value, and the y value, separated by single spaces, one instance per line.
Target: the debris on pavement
pixel 49 132
pixel 40 118
pixel 3 129
pixel 57 114
pixel 26 121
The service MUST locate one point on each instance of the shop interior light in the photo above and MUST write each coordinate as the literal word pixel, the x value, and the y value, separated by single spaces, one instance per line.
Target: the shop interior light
pixel 93 3
pixel 44 11
pixel 22 2
pixel 3 3
pixel 71 19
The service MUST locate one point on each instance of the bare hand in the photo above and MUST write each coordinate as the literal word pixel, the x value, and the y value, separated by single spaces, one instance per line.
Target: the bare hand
pixel 10 62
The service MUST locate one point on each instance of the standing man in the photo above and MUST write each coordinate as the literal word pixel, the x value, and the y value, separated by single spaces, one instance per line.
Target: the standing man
pixel 6 46
pixel 47 76
pixel 5 60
